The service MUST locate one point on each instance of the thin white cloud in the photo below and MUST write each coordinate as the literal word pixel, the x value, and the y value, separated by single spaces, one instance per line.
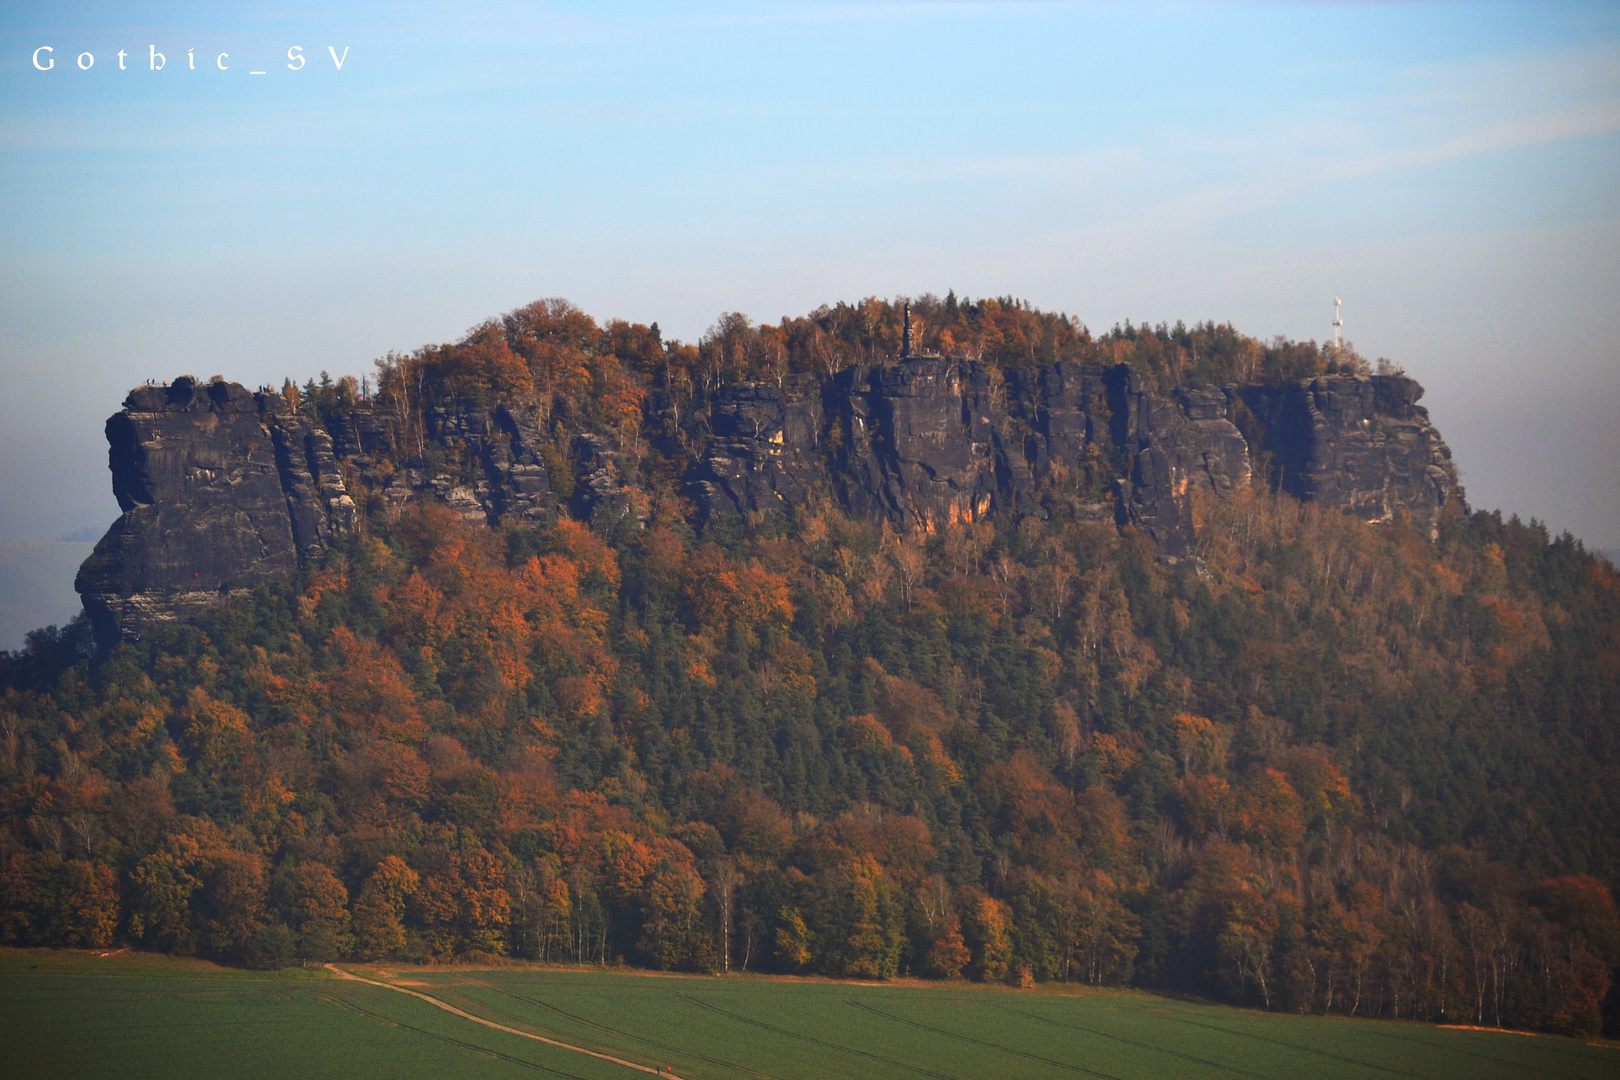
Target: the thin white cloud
pixel 1599 118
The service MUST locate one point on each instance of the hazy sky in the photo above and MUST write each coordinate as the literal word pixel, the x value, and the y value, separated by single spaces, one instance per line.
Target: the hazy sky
pixel 1451 170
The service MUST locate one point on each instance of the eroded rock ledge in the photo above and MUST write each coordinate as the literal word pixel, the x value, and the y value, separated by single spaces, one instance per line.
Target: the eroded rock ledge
pixel 221 487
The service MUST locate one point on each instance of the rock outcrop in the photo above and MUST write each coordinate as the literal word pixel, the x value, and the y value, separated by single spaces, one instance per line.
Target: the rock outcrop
pixel 765 449
pixel 929 441
pixel 1178 447
pixel 221 487
pixel 922 443
pixel 484 462
pixel 932 441
pixel 1360 443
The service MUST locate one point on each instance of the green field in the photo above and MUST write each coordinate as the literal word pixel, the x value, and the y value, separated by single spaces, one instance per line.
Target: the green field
pixel 75 1015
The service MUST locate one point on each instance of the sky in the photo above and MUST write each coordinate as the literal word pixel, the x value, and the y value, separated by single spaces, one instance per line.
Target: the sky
pixel 1451 170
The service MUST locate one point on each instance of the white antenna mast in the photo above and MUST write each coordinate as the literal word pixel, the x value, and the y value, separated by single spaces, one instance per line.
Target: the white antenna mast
pixel 1338 325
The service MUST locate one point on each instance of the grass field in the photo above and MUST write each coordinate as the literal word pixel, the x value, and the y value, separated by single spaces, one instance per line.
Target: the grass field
pixel 77 1015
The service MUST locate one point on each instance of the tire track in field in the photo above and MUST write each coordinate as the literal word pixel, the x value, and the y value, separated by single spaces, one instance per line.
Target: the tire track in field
pixel 449 1008
pixel 983 1042
pixel 818 1042
pixel 452 1040
pixel 1144 1045
pixel 1297 1046
pixel 634 1038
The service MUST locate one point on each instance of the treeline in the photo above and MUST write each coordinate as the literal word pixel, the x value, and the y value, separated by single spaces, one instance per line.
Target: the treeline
pixel 550 351
pixel 1338 768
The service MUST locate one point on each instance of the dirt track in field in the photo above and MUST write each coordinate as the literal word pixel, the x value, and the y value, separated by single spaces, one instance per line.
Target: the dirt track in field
pixel 449 1008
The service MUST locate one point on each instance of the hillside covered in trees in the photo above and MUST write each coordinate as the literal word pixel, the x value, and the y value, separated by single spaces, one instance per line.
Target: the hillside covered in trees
pixel 1371 769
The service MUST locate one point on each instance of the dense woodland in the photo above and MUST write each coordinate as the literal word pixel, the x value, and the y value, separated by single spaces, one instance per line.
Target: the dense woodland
pixel 1333 767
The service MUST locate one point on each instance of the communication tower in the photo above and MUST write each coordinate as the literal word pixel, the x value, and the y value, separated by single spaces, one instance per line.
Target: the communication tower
pixel 1338 327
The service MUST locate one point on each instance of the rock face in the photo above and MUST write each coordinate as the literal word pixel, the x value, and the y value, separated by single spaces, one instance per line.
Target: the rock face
pixel 221 487
pixel 483 462
pixel 1179 447
pixel 919 443
pixel 932 441
pixel 1359 443
pixel 765 449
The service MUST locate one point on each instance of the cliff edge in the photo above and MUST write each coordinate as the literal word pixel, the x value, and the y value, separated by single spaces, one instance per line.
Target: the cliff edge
pixel 221 487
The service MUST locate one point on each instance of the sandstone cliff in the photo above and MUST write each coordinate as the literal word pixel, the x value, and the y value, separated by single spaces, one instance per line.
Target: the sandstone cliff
pixel 221 487
pixel 932 441
pixel 1356 442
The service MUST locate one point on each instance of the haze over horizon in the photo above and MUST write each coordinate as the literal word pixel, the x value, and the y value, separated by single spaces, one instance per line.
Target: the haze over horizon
pixel 1449 170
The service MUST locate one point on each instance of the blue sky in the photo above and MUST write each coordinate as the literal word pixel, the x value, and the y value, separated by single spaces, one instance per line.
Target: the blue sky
pixel 1451 170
